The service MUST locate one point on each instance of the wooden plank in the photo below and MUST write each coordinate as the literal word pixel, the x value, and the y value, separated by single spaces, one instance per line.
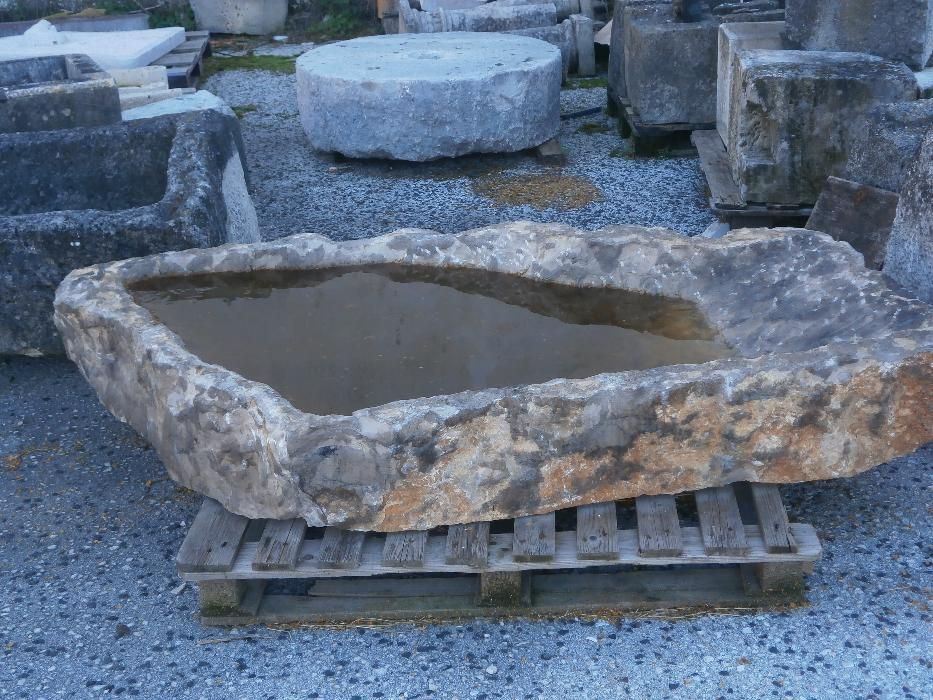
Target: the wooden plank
pixel 772 518
pixel 720 522
pixel 658 526
pixel 213 541
pixel 174 60
pixel 533 539
pixel 596 531
pixel 714 161
pixel 468 544
pixel 341 549
pixel 279 545
pixel 439 598
pixel 500 556
pixel 860 215
pixel 404 549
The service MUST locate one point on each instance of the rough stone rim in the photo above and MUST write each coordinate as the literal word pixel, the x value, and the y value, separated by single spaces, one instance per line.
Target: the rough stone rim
pixel 280 435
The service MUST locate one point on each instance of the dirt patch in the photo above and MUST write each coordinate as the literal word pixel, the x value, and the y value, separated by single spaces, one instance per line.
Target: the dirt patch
pixel 541 191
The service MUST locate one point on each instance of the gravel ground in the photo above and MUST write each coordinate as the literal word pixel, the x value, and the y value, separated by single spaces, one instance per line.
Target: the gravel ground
pixel 297 190
pixel 89 526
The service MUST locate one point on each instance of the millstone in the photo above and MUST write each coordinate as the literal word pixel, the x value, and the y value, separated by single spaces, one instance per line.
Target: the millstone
pixel 812 368
pixel 419 97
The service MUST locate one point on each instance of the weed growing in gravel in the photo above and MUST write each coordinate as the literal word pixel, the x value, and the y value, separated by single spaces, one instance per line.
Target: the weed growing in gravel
pixel 242 110
pixel 546 191
pixel 593 128
pixel 274 64
pixel 586 83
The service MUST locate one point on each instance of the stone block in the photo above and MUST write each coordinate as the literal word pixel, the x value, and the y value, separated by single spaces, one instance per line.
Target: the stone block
pixel 616 78
pixel 583 40
pixel 56 92
pixel 132 49
pixel 792 116
pixel 670 66
pixel 258 17
pixel 885 142
pixel 76 197
pixel 445 94
pixel 735 37
pixel 910 249
pixel 195 102
pixel 560 35
pixel 899 30
pixel 925 83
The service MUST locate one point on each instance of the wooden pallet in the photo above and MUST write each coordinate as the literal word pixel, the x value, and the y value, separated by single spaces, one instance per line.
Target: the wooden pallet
pixel 648 139
pixel 184 61
pixel 726 199
pixel 743 552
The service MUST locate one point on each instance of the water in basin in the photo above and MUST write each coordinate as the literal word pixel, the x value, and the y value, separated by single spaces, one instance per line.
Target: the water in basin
pixel 335 341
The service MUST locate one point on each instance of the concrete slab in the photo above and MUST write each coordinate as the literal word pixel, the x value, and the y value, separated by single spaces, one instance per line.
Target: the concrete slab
pixel 132 49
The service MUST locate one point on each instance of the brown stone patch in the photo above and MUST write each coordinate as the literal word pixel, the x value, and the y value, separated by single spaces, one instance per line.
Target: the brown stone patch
pixel 541 191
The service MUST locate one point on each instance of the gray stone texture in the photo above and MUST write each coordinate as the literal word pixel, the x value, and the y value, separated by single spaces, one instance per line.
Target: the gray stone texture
pixel 616 79
pixel 56 92
pixel 257 17
pixel 583 40
pixel 910 249
pixel 670 66
pixel 899 30
pixel 75 197
pixel 886 141
pixel 735 37
pixel 832 375
pixel 792 117
pixel 419 97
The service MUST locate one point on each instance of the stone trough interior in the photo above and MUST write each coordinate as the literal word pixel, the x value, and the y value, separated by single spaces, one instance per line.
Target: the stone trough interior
pixel 129 170
pixel 351 338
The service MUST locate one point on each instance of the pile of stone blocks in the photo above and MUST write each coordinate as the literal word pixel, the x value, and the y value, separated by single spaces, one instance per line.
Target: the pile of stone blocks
pixel 567 24
pixel 76 197
pixel 56 92
pixel 663 56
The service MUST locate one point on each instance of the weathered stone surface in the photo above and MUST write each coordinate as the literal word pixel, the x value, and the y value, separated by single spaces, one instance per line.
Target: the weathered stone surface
pixel 56 92
pixel 901 30
pixel 241 16
pixel 885 142
pixel 735 37
pixel 833 374
pixel 490 17
pixel 76 197
pixel 792 115
pixel 616 77
pixel 910 248
pixel 662 89
pixel 500 93
pixel 858 214
pixel 560 35
pixel 583 40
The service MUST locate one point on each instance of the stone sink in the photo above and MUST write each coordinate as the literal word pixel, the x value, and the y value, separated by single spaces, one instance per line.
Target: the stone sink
pixel 420 379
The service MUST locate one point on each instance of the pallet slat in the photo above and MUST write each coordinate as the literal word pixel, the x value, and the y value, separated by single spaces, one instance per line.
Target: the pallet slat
pixel 596 531
pixel 500 556
pixel 714 161
pixel 404 549
pixel 341 549
pixel 658 526
pixel 772 518
pixel 213 541
pixel 468 544
pixel 721 522
pixel 533 538
pixel 279 545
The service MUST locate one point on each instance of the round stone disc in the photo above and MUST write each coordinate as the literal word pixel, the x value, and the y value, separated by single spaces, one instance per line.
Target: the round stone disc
pixel 424 96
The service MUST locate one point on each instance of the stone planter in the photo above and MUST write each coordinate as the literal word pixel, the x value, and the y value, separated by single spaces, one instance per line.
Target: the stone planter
pixel 259 17
pixel 831 372
pixel 56 92
pixel 76 197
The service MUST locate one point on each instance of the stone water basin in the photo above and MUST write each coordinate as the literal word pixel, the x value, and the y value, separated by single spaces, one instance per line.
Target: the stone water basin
pixel 420 379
